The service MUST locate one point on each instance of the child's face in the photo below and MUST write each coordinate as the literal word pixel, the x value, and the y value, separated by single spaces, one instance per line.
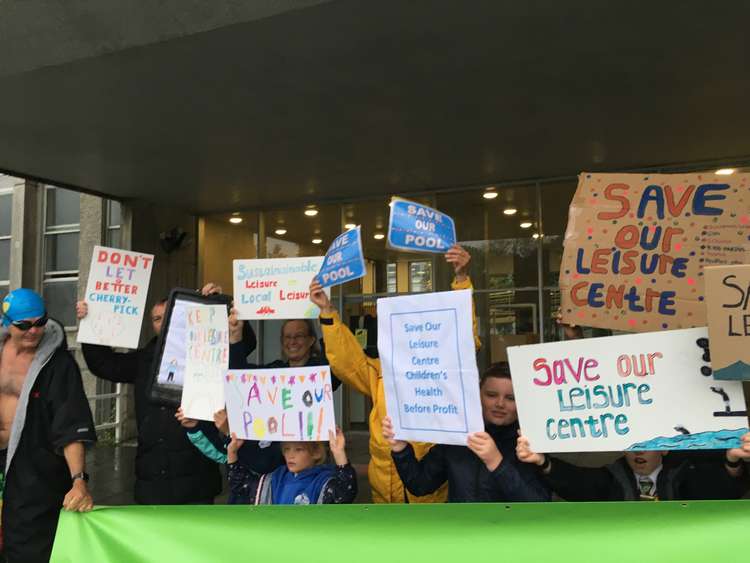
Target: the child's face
pixel 498 401
pixel 644 463
pixel 297 456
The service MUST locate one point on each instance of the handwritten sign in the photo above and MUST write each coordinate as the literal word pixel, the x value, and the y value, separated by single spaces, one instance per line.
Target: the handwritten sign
pixel 636 246
pixel 635 392
pixel 727 299
pixel 430 377
pixel 275 288
pixel 206 361
pixel 344 261
pixel 414 227
pixel 116 296
pixel 281 405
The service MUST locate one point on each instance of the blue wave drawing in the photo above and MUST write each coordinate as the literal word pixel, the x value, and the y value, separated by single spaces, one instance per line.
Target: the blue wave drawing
pixel 719 440
pixel 738 371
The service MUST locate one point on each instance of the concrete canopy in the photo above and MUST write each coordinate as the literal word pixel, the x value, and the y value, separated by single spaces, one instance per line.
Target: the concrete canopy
pixel 221 106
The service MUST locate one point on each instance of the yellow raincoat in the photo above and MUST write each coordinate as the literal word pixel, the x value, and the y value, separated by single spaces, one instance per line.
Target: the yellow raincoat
pixel 350 364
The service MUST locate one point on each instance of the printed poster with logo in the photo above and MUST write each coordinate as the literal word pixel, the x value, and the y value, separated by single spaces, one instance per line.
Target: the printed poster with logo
pixel 116 297
pixel 280 405
pixel 636 246
pixel 275 288
pixel 414 227
pixel 649 391
pixel 727 298
pixel 430 377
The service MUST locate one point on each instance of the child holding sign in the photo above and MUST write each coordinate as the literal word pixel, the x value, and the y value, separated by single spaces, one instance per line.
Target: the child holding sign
pixel 352 366
pixel 302 480
pixel 487 469
pixel 643 475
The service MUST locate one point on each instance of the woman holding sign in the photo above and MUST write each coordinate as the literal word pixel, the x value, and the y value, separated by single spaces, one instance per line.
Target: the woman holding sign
pixel 347 358
pixel 486 469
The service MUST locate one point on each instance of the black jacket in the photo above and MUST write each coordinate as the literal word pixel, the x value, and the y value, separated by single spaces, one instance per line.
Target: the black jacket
pixel 468 478
pixel 52 412
pixel 168 468
pixel 685 480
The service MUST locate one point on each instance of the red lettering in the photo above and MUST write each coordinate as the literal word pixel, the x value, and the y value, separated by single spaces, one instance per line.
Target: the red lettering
pixel 578 301
pixel 676 209
pixel 627 237
pixel 621 199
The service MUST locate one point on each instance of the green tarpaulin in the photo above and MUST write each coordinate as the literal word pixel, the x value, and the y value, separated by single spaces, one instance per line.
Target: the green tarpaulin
pixel 557 532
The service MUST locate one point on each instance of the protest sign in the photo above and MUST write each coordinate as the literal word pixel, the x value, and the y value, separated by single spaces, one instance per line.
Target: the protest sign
pixel 430 377
pixel 636 245
pixel 116 297
pixel 280 405
pixel 206 360
pixel 633 392
pixel 344 261
pixel 727 296
pixel 275 288
pixel 414 227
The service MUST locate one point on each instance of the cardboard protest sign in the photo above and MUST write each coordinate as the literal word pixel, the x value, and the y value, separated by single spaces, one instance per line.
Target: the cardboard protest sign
pixel 285 404
pixel 116 297
pixel 430 377
pixel 414 227
pixel 344 261
pixel 727 297
pixel 636 246
pixel 206 361
pixel 275 288
pixel 632 392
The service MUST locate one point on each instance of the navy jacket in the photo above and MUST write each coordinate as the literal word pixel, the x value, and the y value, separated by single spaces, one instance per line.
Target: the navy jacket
pixel 468 478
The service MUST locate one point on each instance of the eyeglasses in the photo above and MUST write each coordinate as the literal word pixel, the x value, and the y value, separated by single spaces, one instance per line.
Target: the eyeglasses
pixel 28 325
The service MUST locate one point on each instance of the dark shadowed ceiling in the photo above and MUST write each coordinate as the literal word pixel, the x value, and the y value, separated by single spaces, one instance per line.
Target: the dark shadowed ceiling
pixel 218 106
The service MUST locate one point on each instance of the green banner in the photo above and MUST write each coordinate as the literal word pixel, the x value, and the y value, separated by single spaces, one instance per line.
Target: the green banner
pixel 556 532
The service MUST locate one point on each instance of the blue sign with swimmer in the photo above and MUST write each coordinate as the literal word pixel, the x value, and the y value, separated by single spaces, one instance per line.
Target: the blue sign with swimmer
pixel 344 260
pixel 417 228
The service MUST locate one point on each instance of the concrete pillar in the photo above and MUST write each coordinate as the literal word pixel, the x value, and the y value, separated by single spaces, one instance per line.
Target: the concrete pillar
pixel 26 235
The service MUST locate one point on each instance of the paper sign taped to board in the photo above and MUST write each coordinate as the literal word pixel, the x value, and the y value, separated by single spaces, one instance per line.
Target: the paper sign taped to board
pixel 280 405
pixel 206 360
pixel 277 288
pixel 636 246
pixel 633 392
pixel 116 294
pixel 344 261
pixel 727 300
pixel 430 377
pixel 414 227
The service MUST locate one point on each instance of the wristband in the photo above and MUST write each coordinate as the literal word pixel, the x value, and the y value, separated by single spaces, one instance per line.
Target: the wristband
pixel 82 475
pixel 733 464
pixel 326 320
pixel 547 463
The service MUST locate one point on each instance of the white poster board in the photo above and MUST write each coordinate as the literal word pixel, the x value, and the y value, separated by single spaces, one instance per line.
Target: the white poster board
pixel 276 288
pixel 206 360
pixel 116 297
pixel 638 391
pixel 426 348
pixel 280 405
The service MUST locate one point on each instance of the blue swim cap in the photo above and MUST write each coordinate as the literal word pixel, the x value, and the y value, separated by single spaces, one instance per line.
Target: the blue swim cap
pixel 22 304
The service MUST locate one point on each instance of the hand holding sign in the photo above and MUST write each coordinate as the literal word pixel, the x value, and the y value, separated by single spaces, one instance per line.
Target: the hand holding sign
pixel 320 298
pixel 484 448
pixel 390 436
pixel 459 259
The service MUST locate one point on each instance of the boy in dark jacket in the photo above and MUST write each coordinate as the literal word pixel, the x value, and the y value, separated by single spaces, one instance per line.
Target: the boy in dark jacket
pixel 645 475
pixel 486 470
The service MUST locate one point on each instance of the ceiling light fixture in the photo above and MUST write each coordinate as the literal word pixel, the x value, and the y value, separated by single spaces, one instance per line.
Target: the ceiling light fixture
pixel 317 240
pixel 235 220
pixel 378 236
pixel 490 193
pixel 526 224
pixel 725 171
pixel 349 226
pixel 280 232
pixel 535 236
pixel 311 212
pixel 510 211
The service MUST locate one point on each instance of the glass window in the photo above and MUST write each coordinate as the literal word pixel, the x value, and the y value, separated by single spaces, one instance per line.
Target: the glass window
pixel 420 276
pixel 4 260
pixel 113 236
pixel 63 207
pixel 391 277
pixel 61 295
pixel 61 260
pixel 6 207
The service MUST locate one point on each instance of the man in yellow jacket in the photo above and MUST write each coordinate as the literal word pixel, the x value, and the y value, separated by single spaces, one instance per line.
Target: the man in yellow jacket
pixel 352 366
